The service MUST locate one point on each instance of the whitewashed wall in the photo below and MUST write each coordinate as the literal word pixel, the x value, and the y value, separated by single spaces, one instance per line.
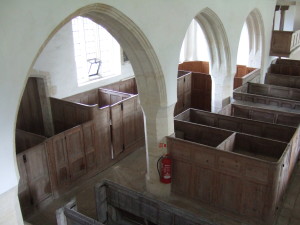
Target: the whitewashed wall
pixel 26 25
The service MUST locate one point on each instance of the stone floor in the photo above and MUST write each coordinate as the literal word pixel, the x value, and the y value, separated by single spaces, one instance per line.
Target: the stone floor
pixel 131 171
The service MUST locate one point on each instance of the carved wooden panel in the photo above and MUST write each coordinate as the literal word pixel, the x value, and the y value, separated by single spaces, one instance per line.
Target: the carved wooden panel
pixel 38 173
pixel 180 180
pixel 58 154
pixel 75 151
pixel 90 147
pixel 103 137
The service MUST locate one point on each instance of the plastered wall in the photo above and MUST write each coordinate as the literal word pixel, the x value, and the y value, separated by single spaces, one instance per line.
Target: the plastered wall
pixel 27 26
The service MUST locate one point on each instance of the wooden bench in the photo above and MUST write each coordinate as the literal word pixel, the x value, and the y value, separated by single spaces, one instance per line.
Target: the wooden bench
pixel 272 95
pixel 240 174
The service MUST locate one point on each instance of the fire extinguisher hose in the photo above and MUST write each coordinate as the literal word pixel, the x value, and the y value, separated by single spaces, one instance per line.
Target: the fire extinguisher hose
pixel 157 165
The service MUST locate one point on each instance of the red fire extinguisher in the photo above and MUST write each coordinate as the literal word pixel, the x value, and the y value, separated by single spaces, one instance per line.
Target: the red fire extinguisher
pixel 165 171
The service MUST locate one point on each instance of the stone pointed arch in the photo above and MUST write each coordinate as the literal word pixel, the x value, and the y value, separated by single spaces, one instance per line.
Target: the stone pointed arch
pixel 148 72
pixel 220 57
pixel 217 40
pixel 255 26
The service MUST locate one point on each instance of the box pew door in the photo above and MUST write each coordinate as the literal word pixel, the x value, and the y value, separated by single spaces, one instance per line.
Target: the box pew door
pixel 88 131
pixel 117 129
pixel 75 150
pixel 23 188
pixel 38 173
pixel 57 152
pixel 103 137
pixel 128 122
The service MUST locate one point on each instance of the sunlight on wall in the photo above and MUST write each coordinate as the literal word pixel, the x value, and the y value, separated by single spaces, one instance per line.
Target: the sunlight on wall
pixel 243 50
pixel 195 48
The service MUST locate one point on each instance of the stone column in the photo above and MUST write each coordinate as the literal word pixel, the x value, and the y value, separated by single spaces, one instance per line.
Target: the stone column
pixel 10 212
pixel 159 123
pixel 222 87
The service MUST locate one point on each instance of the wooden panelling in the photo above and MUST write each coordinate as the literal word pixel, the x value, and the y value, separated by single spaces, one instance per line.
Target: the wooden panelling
pixel 90 147
pixel 284 69
pixel 103 137
pixel 201 91
pixel 88 139
pixel 126 86
pixel 117 129
pixel 280 80
pixel 26 201
pixel 126 120
pixel 269 95
pixel 87 98
pixel 58 156
pixel 75 151
pixel 26 140
pixel 129 122
pixel 288 62
pixel 109 97
pixel 262 114
pixel 250 75
pixel 30 117
pixel 184 83
pixel 244 178
pixel 281 43
pixel 34 184
pixel 195 66
pixel 69 114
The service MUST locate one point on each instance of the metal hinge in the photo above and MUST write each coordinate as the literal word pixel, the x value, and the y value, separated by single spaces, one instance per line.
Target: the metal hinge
pixel 122 106
pixel 24 158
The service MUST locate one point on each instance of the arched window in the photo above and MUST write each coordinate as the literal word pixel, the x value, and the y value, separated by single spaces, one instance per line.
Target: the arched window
pixel 97 53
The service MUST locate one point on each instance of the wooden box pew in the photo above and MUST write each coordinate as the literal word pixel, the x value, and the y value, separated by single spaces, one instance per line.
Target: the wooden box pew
pixel 117 204
pixel 284 69
pixel 78 153
pixel 184 82
pixel 285 81
pixel 244 175
pixel 246 74
pixel 261 114
pixel 288 62
pixel 126 86
pixel 201 91
pixel 67 114
pixel 114 128
pixel 269 95
pixel 257 128
pixel 195 66
pixel 34 188
pixel 127 123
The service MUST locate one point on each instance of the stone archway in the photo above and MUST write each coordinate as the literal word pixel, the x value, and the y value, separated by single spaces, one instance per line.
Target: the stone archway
pixel 220 57
pixel 148 73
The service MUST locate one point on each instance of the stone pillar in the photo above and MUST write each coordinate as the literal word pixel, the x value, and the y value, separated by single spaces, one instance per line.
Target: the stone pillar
pixel 222 87
pixel 159 123
pixel 10 212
